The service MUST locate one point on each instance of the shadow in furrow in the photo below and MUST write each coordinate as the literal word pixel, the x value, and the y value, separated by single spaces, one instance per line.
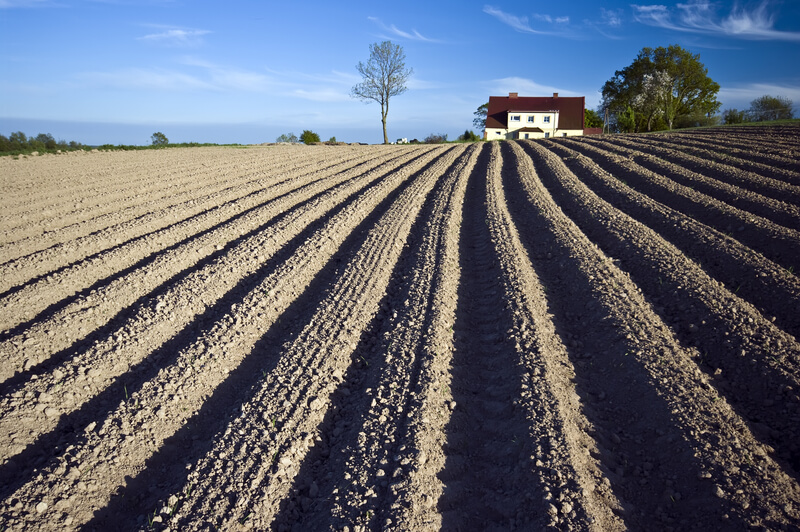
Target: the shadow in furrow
pixel 57 359
pixel 775 242
pixel 654 155
pixel 166 471
pixel 43 452
pixel 51 310
pixel 642 452
pixel 325 465
pixel 746 158
pixel 738 268
pixel 488 477
pixel 749 388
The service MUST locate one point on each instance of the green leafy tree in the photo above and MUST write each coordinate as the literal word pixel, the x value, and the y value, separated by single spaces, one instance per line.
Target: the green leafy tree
pixel 46 140
pixel 159 139
pixel 771 108
pixel 592 119
pixel 661 84
pixel 479 122
pixel 18 141
pixel 287 137
pixel 384 75
pixel 308 137
pixel 626 122
pixel 733 116
pixel 469 136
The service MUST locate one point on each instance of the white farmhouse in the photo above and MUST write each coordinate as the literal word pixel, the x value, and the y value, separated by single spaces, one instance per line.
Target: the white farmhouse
pixel 534 117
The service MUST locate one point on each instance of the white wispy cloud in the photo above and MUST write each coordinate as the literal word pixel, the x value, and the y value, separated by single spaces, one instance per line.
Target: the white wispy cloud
pixel 525 87
pixel 700 16
pixel 394 31
pixel 559 25
pixel 516 22
pixel 740 95
pixel 190 74
pixel 175 36
pixel 550 20
pixel 155 79
pixel 611 17
pixel 322 94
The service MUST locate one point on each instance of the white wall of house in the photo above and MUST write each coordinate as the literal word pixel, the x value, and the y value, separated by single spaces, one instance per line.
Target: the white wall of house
pixel 547 121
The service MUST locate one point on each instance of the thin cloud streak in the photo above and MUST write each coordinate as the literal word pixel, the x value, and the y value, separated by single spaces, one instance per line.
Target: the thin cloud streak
pixel 699 16
pixel 524 86
pixel 518 23
pixel 414 35
pixel 175 36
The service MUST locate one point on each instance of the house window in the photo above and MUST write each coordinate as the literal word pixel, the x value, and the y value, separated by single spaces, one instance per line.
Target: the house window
pixel 515 118
pixel 530 119
pixel 563 134
pixel 526 135
pixel 498 132
pixel 547 120
pixel 547 135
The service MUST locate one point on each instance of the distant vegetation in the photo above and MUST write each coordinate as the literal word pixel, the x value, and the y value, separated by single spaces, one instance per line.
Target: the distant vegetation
pixel 309 137
pixel 469 136
pixel 436 138
pixel 479 122
pixel 18 143
pixel 287 137
pixel 159 139
pixel 592 119
pixel 763 109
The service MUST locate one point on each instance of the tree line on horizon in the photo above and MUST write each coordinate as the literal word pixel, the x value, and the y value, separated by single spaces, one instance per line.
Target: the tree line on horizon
pixel 19 142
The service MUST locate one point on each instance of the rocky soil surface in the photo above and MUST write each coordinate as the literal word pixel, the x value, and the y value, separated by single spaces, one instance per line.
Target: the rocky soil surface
pixel 583 333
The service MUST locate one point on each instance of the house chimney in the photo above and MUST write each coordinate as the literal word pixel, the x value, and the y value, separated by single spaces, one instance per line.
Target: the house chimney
pixel 513 94
pixel 555 95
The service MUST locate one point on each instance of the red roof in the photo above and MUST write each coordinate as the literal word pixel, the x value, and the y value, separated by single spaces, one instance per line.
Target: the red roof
pixel 570 109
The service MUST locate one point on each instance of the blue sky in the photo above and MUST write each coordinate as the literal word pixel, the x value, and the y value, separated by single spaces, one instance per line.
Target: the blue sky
pixel 115 71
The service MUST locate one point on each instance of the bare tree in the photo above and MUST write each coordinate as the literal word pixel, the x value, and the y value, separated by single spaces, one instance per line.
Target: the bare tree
pixel 385 75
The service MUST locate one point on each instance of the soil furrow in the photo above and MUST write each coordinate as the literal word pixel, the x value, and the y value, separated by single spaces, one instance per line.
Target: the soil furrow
pixel 106 306
pixel 657 421
pixel 366 452
pixel 192 239
pixel 754 375
pixel 101 376
pixel 574 491
pixel 284 409
pixel 99 199
pixel 770 288
pixel 498 336
pixel 751 160
pixel 123 190
pixel 190 367
pixel 746 142
pixel 721 174
pixel 777 243
pixel 66 245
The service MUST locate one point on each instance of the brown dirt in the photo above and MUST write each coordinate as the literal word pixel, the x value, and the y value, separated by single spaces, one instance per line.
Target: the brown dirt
pixel 588 334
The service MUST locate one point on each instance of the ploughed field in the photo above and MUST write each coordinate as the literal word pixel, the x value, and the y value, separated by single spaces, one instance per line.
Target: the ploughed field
pixel 583 333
